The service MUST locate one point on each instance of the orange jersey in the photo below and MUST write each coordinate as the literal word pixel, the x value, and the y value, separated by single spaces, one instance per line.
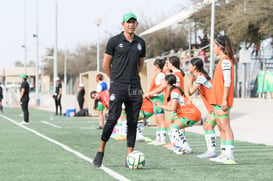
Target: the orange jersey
pixel 217 91
pixel 179 75
pixel 104 98
pixel 166 93
pixel 185 108
pixel 204 90
pixel 147 106
pixel 153 82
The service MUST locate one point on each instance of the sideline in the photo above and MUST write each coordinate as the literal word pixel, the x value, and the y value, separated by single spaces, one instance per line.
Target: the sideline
pixel 50 124
pixel 78 154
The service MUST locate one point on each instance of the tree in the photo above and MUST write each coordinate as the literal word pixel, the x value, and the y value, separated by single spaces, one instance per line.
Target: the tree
pixel 18 63
pixel 31 63
pixel 164 40
pixel 243 20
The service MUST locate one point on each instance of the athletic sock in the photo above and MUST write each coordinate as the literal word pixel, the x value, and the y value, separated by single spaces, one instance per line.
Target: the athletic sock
pixel 223 147
pixel 163 134
pixel 157 134
pixel 230 149
pixel 180 139
pixel 140 126
pixel 210 137
pixel 170 135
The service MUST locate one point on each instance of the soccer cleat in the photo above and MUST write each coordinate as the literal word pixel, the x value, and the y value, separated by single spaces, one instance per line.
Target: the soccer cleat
pixel 158 143
pixel 221 158
pixel 126 164
pixel 230 162
pixel 169 145
pixel 24 123
pixel 207 155
pixel 176 148
pixel 224 159
pixel 98 159
pixel 184 151
pixel 140 138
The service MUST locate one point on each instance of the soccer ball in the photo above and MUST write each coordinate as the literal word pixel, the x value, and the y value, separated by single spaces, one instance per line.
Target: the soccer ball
pixel 136 160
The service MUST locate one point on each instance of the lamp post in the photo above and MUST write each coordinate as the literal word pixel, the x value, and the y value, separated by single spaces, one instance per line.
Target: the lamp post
pixel 37 55
pixel 212 38
pixel 98 23
pixel 55 72
pixel 65 69
pixel 25 37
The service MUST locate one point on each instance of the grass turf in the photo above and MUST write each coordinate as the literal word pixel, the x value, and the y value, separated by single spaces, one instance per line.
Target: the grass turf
pixel 25 156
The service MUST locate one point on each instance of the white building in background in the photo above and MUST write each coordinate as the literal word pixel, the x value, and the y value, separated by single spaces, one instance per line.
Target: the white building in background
pixel 9 77
pixel 251 65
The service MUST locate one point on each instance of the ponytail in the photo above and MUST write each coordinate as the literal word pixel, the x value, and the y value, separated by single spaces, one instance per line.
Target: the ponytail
pixel 205 73
pixel 198 62
pixel 171 80
pixel 174 87
pixel 174 60
pixel 226 45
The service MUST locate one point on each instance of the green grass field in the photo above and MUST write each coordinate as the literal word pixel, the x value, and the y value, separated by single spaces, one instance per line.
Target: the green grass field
pixel 63 153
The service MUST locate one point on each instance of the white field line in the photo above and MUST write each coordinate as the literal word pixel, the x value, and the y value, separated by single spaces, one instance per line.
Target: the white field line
pixel 78 154
pixel 87 127
pixel 50 124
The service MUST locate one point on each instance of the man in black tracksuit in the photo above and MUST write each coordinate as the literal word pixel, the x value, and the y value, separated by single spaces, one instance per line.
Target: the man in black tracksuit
pixel 58 95
pixel 80 96
pixel 123 60
pixel 24 98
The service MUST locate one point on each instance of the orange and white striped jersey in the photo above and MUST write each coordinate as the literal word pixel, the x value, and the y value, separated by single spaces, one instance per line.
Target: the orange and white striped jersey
pixel 185 108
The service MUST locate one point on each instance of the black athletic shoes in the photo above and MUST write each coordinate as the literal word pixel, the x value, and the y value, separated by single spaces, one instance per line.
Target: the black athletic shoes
pixel 98 159
pixel 126 164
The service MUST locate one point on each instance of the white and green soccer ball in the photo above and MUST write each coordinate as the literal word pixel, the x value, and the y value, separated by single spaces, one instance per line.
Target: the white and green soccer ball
pixel 136 160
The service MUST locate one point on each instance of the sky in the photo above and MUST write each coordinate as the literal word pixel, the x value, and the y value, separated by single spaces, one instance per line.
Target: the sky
pixel 76 23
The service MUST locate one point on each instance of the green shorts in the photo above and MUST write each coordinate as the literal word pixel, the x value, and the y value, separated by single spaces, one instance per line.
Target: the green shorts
pixel 217 107
pixel 144 115
pixel 186 122
pixel 100 107
pixel 160 99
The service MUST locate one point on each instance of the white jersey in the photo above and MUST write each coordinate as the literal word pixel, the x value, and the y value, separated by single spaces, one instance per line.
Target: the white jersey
pixel 226 67
pixel 202 80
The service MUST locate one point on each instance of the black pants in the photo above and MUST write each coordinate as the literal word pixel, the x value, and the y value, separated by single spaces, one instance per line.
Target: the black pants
pixel 131 96
pixel 1 106
pixel 24 106
pixel 58 104
pixel 81 101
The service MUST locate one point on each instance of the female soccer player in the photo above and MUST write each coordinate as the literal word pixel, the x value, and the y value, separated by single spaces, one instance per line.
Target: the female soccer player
pixel 161 131
pixel 173 64
pixel 187 113
pixel 201 82
pixel 101 86
pixel 221 97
